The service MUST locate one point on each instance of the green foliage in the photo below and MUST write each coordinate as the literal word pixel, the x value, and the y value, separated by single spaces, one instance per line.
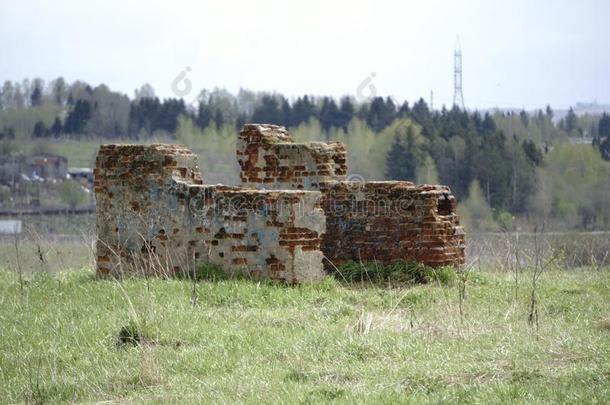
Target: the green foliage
pixel 603 136
pixel 134 333
pixel 366 151
pixel 72 193
pixel 426 172
pixel 384 140
pixel 573 188
pixel 78 118
pixel 406 153
pixel 475 212
pixel 22 121
pixel 400 271
pixel 39 130
pixel 505 220
pixel 215 148
pixel 211 272
pixel 571 121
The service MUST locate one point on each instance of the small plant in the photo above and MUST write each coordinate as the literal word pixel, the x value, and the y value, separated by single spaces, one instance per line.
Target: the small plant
pixel 445 275
pixel 133 334
pixel 35 394
pixel 211 272
pixel 364 324
pixel 72 193
pixel 206 271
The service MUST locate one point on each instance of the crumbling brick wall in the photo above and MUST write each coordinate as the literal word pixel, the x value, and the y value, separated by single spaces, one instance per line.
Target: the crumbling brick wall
pixel 384 221
pixel 269 158
pixel 155 216
pixel 365 221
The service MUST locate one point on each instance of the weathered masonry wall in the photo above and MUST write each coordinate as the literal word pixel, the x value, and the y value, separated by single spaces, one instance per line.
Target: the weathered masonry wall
pixel 385 221
pixel 155 216
pixel 365 221
pixel 269 158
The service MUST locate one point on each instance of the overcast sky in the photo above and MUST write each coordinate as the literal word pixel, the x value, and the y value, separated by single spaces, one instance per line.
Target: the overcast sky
pixel 515 53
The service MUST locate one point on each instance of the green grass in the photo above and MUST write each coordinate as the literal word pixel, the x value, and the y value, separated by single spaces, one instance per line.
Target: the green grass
pixel 400 271
pixel 56 256
pixel 252 342
pixel 80 153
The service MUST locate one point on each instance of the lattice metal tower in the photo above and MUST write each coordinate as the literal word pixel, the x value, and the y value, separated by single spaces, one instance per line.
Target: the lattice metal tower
pixel 458 96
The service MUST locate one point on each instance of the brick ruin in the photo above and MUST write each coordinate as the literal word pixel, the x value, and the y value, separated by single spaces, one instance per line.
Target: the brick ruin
pixel 365 221
pixel 155 216
pixel 295 215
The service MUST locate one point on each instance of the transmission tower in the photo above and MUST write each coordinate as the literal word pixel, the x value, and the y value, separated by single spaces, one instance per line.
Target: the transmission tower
pixel 458 96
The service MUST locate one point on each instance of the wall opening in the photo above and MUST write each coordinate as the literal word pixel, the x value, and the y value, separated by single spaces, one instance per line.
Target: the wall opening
pixel 444 205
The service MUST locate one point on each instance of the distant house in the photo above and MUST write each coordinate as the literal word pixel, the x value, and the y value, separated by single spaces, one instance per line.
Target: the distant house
pixel 41 167
pixel 46 166
pixel 10 227
pixel 83 175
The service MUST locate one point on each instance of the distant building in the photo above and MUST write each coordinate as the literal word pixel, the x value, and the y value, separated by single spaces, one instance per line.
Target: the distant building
pixel 47 166
pixel 41 167
pixel 10 227
pixel 591 108
pixel 83 175
pixel 584 140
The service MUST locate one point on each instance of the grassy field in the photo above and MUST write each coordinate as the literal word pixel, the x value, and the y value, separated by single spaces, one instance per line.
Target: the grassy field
pixel 259 343
pixel 80 153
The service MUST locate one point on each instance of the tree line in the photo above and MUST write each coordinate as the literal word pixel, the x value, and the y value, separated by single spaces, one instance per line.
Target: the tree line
pixel 499 160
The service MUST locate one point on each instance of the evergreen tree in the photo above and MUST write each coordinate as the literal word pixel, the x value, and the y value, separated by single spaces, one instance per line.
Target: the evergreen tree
pixel 36 97
pixel 402 162
pixel 268 112
pixel 395 164
pixel 302 110
pixel 549 112
pixel 603 136
pixel 380 113
pixel 39 130
pixel 329 114
pixel 533 153
pixel 492 168
pixel 79 116
pixel 404 111
pixel 204 115
pixel 167 118
pixel 218 119
pixel 488 125
pixel 346 113
pixel 603 128
pixel 524 118
pixel 241 120
pixel 286 113
pixel 421 114
pixel 571 121
pixel 56 127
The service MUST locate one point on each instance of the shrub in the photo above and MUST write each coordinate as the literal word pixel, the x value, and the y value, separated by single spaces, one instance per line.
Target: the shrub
pixel 72 193
pixel 133 334
pixel 211 271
